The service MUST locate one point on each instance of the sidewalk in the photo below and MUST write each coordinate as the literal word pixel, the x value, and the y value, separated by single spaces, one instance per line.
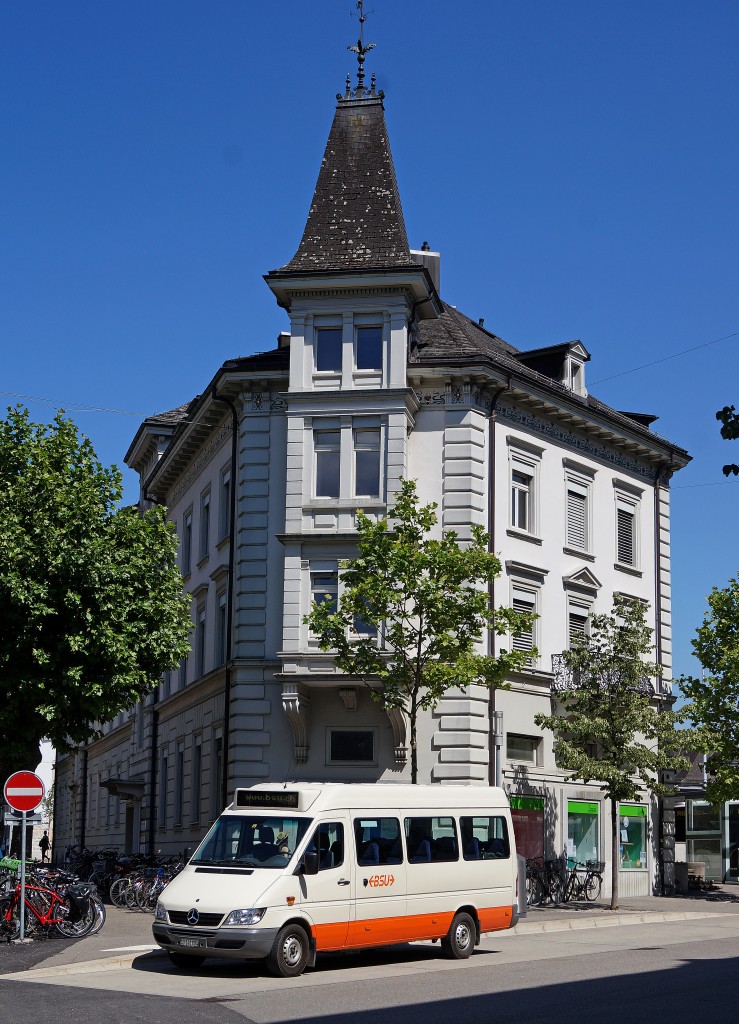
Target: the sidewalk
pixel 633 910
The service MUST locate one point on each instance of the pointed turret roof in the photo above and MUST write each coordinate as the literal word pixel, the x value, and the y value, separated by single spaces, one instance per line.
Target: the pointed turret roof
pixel 355 221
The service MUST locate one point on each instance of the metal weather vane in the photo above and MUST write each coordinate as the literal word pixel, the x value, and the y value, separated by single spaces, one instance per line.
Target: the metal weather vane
pixel 360 49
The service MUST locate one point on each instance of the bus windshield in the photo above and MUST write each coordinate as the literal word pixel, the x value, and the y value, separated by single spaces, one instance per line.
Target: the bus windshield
pixel 252 841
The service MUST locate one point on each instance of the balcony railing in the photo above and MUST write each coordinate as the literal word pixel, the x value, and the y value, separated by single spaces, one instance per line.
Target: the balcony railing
pixel 565 678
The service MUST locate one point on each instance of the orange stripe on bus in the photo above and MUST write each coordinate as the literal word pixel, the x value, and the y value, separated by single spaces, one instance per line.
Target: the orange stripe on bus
pixel 382 931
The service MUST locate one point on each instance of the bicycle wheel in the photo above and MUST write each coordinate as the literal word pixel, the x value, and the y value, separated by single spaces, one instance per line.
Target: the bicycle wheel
pixel 533 891
pixel 592 887
pixel 556 889
pixel 99 915
pixel 118 890
pixel 82 925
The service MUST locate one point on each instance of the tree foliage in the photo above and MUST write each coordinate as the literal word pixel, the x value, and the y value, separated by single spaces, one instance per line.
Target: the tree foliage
pixel 729 420
pixel 426 598
pixel 607 726
pixel 93 605
pixel 714 698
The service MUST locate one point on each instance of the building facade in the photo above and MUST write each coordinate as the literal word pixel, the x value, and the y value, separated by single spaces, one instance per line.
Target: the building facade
pixel 378 379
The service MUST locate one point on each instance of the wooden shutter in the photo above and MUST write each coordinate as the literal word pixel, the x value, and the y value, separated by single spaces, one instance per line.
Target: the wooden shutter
pixel 625 536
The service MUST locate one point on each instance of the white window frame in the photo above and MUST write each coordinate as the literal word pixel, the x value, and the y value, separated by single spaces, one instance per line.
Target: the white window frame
pixel 196 769
pixel 358 427
pixel 221 627
pixel 205 525
pixel 368 369
pixel 186 561
pixel 224 504
pixel 322 446
pixel 580 608
pixel 332 372
pixel 200 641
pixel 525 460
pixel 627 500
pixel 525 592
pixel 536 745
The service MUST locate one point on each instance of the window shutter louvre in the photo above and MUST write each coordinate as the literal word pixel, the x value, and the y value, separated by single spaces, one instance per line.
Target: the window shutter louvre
pixel 576 519
pixel 625 532
pixel 525 641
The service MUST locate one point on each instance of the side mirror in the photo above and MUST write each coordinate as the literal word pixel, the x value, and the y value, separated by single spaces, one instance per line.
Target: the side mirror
pixel 309 864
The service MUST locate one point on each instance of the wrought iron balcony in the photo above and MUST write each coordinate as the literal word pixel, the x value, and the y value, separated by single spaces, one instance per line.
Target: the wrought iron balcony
pixel 566 678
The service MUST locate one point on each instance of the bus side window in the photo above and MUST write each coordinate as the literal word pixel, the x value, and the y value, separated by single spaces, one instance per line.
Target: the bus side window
pixel 328 842
pixel 485 838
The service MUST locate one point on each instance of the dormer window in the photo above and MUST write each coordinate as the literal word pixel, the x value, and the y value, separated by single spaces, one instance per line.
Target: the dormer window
pixel 575 376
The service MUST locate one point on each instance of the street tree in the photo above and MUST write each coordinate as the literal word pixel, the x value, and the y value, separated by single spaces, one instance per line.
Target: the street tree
pixel 713 706
pixel 729 419
pixel 93 605
pixel 608 724
pixel 413 608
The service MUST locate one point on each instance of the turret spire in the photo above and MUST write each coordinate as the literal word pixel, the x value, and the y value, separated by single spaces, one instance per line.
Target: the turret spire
pixel 361 50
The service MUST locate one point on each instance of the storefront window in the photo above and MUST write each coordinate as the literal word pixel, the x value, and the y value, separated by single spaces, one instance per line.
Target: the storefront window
pixel 707 851
pixel 527 814
pixel 633 837
pixel 703 817
pixel 582 832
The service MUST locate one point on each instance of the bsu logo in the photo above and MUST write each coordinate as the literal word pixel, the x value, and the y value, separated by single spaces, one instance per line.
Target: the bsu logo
pixel 379 880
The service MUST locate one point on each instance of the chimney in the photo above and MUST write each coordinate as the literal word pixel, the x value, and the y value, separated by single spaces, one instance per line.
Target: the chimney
pixel 283 339
pixel 431 261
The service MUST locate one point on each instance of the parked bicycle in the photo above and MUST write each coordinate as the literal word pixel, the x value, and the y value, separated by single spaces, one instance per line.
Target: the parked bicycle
pixel 584 881
pixel 71 911
pixel 544 881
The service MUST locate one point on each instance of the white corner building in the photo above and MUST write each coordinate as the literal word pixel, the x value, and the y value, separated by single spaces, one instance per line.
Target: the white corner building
pixel 378 379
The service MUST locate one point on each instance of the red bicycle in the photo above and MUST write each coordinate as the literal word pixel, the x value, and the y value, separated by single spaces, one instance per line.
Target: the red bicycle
pixel 72 913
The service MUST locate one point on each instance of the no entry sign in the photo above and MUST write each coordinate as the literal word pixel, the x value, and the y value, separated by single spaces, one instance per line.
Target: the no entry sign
pixel 24 791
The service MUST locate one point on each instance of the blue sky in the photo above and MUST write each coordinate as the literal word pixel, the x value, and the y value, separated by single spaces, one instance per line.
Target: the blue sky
pixel 575 163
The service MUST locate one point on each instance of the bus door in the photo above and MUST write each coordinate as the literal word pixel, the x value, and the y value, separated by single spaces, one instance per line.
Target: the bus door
pixel 379 879
pixel 327 896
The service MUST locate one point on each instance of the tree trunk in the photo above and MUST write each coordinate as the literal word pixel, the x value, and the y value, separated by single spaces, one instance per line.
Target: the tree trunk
pixel 615 846
pixel 414 750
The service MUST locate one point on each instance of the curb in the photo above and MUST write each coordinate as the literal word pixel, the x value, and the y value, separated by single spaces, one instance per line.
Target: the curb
pixel 615 921
pixel 112 963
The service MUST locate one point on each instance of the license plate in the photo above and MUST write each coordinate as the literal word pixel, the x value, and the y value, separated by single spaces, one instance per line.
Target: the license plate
pixel 193 943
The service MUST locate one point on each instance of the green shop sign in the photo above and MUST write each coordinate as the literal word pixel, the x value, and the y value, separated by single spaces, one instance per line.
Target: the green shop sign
pixel 527 803
pixel 632 812
pixel 578 807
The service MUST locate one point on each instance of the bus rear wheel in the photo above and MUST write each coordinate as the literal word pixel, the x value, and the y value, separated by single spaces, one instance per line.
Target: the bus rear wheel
pixel 459 941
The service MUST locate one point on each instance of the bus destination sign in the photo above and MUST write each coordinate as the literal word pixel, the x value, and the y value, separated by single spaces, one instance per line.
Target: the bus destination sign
pixel 272 798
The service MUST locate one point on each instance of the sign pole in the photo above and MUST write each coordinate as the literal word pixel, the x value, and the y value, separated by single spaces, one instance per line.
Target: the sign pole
pixel 23 878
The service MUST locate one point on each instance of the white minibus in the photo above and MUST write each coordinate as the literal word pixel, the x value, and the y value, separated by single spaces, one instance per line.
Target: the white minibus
pixel 291 870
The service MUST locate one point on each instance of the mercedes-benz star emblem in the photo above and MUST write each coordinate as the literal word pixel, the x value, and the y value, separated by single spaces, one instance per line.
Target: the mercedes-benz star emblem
pixel 193 916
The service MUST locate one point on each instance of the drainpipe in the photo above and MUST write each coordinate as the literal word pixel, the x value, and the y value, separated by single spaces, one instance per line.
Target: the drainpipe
pixel 230 599
pixel 84 800
pixel 495 761
pixel 153 780
pixel 658 652
pixel 53 815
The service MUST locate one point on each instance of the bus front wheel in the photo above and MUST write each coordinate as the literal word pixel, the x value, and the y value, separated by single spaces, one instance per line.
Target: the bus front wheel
pixel 289 954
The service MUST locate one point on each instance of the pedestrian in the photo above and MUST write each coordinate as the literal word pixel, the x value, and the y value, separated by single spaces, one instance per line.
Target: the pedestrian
pixel 44 846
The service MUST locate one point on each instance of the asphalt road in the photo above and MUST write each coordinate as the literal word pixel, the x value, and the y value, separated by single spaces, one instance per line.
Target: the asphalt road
pixel 683 972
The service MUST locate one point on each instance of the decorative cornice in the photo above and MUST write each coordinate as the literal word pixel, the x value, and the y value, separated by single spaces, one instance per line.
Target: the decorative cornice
pixel 196 467
pixel 586 445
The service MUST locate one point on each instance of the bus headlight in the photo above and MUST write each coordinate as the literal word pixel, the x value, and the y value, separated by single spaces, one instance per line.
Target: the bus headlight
pixel 250 916
pixel 160 914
